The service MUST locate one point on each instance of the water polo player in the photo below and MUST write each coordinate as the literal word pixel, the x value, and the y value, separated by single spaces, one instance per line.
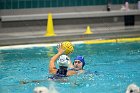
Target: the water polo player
pixel 59 74
pixel 63 63
pixel 61 51
pixel 78 64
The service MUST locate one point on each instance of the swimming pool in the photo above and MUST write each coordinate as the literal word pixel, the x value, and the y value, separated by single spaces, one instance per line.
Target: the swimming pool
pixel 117 65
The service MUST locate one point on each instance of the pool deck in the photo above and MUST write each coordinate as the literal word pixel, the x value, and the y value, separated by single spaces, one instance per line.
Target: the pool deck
pixel 18 38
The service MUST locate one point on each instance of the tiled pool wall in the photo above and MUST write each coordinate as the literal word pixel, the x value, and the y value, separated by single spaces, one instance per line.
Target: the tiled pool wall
pixel 27 4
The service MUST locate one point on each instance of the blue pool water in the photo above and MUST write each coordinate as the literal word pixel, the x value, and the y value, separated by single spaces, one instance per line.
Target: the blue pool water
pixel 117 65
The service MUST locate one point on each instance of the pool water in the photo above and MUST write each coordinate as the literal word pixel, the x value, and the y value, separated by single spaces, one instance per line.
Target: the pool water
pixel 116 65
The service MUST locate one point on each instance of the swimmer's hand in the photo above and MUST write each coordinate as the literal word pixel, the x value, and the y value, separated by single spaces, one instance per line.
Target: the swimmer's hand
pixel 59 49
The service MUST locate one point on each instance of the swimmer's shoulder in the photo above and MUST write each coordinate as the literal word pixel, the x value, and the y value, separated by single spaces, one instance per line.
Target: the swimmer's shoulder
pixel 71 72
pixel 81 71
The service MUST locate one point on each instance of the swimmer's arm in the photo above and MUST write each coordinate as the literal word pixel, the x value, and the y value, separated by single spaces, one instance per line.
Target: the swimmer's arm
pixel 52 67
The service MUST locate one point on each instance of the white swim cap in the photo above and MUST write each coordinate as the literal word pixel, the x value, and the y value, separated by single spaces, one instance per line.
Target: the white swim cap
pixel 41 90
pixel 63 61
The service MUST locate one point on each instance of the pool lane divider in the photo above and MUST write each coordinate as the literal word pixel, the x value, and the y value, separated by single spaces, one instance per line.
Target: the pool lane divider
pixel 119 40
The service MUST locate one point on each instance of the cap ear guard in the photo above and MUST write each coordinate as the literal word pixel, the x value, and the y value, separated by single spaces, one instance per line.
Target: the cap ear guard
pixel 63 61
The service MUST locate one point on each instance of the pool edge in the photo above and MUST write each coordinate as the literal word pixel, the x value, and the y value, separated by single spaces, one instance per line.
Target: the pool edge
pixel 97 41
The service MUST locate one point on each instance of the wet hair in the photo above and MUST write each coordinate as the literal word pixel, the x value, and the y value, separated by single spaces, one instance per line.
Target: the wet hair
pixel 62 71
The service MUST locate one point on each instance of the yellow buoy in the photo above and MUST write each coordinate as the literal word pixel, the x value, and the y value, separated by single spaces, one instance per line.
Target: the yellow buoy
pixel 50 28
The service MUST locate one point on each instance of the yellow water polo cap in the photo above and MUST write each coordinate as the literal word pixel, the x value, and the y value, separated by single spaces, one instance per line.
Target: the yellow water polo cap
pixel 68 47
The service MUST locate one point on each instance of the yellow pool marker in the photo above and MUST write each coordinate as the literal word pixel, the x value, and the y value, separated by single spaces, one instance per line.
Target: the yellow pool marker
pixel 128 40
pixel 50 28
pixel 99 41
pixel 88 31
pixel 120 40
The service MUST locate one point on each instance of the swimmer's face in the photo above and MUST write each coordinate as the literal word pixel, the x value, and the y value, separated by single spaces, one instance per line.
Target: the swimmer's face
pixel 78 65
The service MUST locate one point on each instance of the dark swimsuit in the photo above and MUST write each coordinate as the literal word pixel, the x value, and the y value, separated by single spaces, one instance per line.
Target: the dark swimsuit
pixel 61 72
